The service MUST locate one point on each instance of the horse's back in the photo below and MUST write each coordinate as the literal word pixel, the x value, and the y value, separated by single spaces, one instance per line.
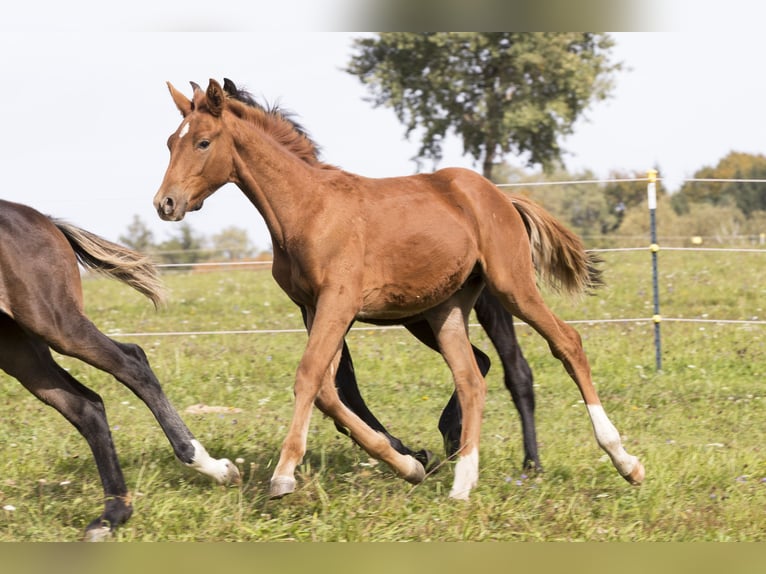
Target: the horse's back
pixel 18 221
pixel 32 253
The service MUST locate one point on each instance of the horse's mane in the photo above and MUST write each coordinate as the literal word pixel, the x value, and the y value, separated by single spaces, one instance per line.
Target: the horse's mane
pixel 279 123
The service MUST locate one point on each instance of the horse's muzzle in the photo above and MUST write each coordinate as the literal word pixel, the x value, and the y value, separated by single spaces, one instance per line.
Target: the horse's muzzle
pixel 169 209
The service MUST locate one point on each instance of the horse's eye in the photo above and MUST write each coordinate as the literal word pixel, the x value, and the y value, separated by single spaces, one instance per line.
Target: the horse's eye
pixel 203 144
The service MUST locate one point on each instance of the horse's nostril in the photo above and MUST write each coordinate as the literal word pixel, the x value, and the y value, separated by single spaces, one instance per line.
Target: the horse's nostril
pixel 167 205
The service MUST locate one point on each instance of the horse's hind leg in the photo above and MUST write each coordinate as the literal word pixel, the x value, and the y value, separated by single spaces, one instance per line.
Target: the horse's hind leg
pixel 521 297
pixel 498 324
pixel 29 360
pixel 129 365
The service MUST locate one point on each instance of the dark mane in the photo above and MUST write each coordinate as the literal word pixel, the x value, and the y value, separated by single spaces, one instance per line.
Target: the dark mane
pixel 281 124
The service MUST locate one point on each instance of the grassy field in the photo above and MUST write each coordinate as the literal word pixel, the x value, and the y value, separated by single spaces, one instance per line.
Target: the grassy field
pixel 698 425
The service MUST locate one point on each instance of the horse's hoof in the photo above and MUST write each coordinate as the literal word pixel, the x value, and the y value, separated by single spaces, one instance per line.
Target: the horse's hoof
pixel 417 472
pixel 281 485
pixel 428 459
pixel 636 476
pixel 97 534
pixel 532 467
pixel 231 475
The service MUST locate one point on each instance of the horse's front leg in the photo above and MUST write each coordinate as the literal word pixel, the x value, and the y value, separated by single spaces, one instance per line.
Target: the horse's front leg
pixel 449 322
pixel 322 352
pixel 315 383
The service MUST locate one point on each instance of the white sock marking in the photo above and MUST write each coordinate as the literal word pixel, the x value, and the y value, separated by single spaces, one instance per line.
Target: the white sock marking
pixel 609 439
pixel 219 470
pixel 466 475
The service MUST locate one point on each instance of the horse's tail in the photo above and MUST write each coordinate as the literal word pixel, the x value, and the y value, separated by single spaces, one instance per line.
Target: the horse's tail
pixel 558 254
pixel 115 261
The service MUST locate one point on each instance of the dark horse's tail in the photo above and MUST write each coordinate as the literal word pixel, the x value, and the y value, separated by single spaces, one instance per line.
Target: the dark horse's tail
pixel 558 254
pixel 114 260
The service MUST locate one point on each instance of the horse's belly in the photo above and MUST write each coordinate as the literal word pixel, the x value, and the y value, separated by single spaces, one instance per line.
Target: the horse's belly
pixel 407 297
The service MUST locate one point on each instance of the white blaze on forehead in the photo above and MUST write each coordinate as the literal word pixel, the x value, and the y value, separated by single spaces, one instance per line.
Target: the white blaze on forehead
pixel 184 130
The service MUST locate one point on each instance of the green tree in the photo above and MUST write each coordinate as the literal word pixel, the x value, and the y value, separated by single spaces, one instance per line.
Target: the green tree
pixel 138 236
pixel 590 209
pixel 502 93
pixel 185 247
pixel 619 190
pixel 636 223
pixel 233 243
pixel 749 197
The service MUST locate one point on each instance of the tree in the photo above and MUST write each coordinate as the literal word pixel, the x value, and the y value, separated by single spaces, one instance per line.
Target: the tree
pixel 501 92
pixel 620 191
pixel 138 236
pixel 590 209
pixel 185 247
pixel 636 222
pixel 747 196
pixel 233 243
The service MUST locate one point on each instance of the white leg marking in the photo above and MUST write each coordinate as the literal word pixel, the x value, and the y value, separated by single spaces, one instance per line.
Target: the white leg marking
pixel 466 475
pixel 221 470
pixel 100 534
pixel 609 439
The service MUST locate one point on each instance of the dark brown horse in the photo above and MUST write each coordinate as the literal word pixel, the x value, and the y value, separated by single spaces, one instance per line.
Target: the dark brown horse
pixel 41 308
pixel 348 247
pixel 492 316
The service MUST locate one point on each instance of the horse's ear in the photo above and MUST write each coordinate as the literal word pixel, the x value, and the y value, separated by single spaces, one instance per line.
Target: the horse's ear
pixel 183 103
pixel 229 87
pixel 215 98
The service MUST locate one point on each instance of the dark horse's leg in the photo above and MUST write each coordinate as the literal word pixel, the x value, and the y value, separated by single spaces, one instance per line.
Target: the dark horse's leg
pixel 498 324
pixel 28 359
pixel 77 337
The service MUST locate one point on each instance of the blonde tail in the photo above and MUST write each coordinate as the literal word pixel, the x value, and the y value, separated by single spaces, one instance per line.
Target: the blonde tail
pixel 114 260
pixel 558 254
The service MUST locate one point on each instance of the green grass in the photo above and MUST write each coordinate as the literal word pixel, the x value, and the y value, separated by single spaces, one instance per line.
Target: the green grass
pixel 698 425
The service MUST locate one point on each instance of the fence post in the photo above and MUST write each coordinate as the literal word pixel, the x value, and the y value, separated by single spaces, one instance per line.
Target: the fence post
pixel 651 190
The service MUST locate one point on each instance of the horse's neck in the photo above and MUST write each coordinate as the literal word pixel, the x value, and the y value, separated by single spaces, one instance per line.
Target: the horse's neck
pixel 278 183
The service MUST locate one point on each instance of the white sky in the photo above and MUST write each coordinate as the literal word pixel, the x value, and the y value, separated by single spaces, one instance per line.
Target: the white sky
pixel 85 116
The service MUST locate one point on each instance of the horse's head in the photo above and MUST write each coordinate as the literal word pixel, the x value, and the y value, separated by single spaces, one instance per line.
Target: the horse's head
pixel 201 158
